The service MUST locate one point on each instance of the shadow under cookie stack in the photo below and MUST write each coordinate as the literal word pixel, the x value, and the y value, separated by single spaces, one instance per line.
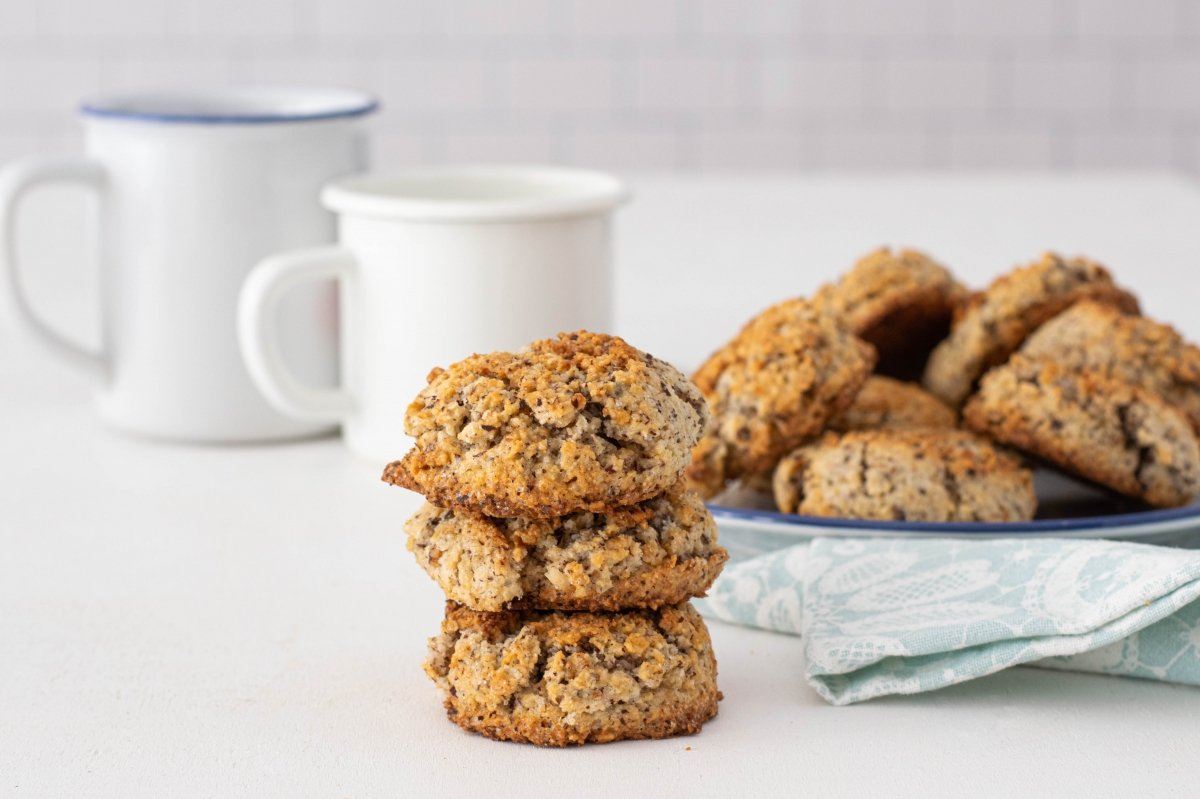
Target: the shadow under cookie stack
pixel 561 531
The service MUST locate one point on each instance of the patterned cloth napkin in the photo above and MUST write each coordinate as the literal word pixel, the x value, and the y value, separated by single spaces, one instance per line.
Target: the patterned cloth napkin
pixel 901 616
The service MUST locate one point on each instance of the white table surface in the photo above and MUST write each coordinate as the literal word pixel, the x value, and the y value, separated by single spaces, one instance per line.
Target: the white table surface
pixel 180 621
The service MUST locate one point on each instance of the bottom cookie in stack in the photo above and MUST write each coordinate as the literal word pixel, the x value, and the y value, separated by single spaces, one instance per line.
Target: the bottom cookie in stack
pixel 556 678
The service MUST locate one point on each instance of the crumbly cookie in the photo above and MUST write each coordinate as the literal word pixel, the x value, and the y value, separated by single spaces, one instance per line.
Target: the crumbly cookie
pixel 555 679
pixel 579 422
pixel 775 384
pixel 881 404
pixel 995 323
pixel 1095 337
pixel 900 302
pixel 659 552
pixel 1103 429
pixel 887 404
pixel 913 475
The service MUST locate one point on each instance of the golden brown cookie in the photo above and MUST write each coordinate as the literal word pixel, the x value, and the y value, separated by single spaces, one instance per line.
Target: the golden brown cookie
pixel 1100 428
pixel 909 475
pixel 579 422
pixel 774 385
pixel 1095 337
pixel 659 552
pixel 900 302
pixel 555 679
pixel 881 404
pixel 887 404
pixel 995 323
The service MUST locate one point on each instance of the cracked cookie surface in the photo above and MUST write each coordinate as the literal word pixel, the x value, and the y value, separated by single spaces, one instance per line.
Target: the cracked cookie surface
pixel 774 385
pixel 993 324
pixel 556 679
pixel 1094 337
pixel 881 404
pixel 659 552
pixel 899 302
pixel 583 421
pixel 909 475
pixel 1102 429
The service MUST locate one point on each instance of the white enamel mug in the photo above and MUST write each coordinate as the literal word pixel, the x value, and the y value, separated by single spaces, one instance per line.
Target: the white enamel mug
pixel 193 188
pixel 435 265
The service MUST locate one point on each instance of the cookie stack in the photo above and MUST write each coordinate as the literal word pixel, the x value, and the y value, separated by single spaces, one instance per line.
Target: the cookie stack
pixel 566 542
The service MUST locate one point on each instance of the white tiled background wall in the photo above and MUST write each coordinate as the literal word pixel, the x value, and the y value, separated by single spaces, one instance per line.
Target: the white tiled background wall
pixel 658 84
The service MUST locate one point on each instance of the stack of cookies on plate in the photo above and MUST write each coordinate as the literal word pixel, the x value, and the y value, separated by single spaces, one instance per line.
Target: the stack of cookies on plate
pixel 816 400
pixel 559 527
pixel 806 404
pixel 1056 360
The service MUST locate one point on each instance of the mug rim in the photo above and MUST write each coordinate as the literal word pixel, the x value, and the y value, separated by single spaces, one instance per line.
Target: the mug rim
pixel 538 192
pixel 230 105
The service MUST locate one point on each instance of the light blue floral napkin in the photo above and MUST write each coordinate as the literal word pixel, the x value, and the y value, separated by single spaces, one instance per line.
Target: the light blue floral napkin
pixel 901 616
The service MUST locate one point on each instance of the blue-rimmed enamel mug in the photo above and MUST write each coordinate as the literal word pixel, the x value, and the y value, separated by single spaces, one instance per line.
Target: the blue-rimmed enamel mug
pixel 192 188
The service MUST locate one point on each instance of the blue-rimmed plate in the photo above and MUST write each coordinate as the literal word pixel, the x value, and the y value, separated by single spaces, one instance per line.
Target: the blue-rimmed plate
pixel 749 524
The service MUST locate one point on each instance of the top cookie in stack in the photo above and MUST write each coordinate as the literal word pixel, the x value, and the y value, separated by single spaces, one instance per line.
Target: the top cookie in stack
pixel 581 422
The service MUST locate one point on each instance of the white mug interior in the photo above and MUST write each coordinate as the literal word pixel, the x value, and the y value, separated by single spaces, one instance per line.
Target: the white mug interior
pixel 477 194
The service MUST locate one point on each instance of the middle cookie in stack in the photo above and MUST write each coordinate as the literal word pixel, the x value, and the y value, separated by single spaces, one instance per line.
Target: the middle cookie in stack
pixel 554 480
pixel 658 552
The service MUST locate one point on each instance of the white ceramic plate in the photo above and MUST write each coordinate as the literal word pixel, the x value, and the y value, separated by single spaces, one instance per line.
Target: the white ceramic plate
pixel 749 525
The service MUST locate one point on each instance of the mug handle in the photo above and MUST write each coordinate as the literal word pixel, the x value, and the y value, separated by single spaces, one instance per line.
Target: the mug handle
pixel 15 180
pixel 258 331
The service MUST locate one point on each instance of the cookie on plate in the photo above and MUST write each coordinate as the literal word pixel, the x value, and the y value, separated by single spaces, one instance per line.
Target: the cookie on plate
pixel 881 404
pixel 774 385
pixel 900 302
pixel 994 323
pixel 555 679
pixel 887 404
pixel 1100 428
pixel 659 552
pixel 905 475
pixel 1091 336
pixel 579 422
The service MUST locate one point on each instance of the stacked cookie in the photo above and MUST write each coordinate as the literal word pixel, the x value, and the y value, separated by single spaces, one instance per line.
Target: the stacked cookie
pixel 560 530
